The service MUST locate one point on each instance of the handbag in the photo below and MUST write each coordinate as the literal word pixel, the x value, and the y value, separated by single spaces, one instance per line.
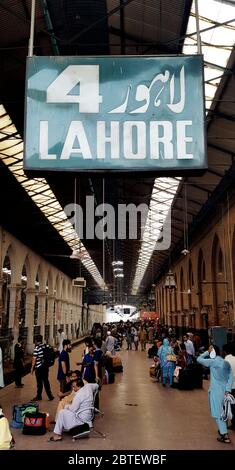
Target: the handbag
pixel 35 424
pixel 171 358
pixel 152 371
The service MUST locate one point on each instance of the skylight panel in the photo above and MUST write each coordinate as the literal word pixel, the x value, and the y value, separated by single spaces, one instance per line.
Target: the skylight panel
pixel 11 153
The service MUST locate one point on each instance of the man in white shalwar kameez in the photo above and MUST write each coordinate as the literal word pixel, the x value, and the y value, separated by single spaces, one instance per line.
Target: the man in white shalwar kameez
pixel 69 417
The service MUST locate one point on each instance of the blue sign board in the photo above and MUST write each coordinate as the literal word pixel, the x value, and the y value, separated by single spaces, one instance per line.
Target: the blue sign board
pixel 114 114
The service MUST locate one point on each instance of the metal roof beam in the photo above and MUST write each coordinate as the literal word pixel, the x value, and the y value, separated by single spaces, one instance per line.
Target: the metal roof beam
pixel 221 115
pixel 131 37
pixel 200 188
pixel 220 149
pixel 24 20
pixel 100 20
pixel 216 173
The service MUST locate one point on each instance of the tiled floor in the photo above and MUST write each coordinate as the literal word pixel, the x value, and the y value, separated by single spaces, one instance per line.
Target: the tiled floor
pixel 164 418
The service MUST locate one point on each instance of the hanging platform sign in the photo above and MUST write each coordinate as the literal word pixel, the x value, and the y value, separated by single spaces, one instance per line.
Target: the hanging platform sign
pixel 115 114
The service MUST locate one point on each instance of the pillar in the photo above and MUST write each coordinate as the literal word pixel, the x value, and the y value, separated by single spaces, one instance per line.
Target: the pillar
pixel 29 318
pixel 50 318
pixel 58 313
pixel 14 313
pixel 42 312
pixel 1 303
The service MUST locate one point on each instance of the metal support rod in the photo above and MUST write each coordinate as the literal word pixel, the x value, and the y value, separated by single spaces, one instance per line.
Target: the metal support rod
pixel 122 27
pixel 103 239
pixel 50 28
pixel 199 46
pixel 32 24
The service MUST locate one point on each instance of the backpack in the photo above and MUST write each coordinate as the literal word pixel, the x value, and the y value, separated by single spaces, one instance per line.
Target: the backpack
pixel 35 424
pixel 48 356
pixel 19 411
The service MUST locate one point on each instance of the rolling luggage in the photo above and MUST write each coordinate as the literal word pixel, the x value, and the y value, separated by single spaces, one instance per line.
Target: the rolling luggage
pixel 185 379
pixel 197 375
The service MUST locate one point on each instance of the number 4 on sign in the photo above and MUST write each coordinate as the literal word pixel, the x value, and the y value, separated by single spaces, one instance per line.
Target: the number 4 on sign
pixel 87 76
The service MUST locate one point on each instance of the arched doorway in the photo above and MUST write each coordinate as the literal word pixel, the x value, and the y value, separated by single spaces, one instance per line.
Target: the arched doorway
pixel 219 286
pixel 182 289
pixel 201 290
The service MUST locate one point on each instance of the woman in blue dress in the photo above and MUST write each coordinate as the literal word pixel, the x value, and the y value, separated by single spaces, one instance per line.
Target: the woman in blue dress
pixel 167 367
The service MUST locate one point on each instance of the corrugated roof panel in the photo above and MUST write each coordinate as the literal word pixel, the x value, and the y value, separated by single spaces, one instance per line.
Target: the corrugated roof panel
pixel 152 21
pixel 15 21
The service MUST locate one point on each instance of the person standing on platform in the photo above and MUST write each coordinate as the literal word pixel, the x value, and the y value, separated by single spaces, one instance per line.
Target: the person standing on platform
pixel 221 380
pixel 19 362
pixel 1 369
pixel 189 348
pixel 143 337
pixel 110 342
pixel 41 370
pixel 60 338
pixel 167 366
pixel 64 364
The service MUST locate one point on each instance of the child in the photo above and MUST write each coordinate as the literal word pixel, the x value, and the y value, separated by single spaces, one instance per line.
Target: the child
pixel 6 438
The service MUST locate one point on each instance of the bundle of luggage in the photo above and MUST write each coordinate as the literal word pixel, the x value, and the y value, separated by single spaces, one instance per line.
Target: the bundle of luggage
pixel 113 364
pixel 28 418
pixel 190 378
pixel 117 364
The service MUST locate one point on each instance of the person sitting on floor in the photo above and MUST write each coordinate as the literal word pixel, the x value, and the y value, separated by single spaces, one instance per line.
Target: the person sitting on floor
pixel 79 412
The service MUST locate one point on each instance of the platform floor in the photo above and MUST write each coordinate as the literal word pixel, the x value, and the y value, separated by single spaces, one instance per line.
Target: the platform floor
pixel 162 419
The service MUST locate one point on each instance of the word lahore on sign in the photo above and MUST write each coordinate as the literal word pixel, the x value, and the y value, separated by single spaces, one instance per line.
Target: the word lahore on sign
pixel 114 113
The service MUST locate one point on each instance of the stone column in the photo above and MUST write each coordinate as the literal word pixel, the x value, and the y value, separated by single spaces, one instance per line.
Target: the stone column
pixel 29 317
pixel 65 317
pixel 58 313
pixel 13 323
pixel 71 320
pixel 1 303
pixel 50 318
pixel 42 311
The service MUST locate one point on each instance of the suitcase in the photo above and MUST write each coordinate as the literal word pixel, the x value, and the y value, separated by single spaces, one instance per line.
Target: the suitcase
pixel 197 375
pixel 185 379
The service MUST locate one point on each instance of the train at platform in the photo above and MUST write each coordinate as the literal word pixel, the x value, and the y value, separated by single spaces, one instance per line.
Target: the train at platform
pixel 122 312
